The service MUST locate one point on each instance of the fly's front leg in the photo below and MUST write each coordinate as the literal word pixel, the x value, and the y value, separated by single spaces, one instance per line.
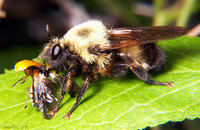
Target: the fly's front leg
pixel 81 93
pixel 66 83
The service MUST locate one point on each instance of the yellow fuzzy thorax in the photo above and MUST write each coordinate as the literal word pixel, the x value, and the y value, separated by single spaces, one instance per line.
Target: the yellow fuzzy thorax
pixel 88 35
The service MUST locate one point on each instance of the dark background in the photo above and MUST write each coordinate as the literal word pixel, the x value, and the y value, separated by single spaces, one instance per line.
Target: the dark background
pixel 23 25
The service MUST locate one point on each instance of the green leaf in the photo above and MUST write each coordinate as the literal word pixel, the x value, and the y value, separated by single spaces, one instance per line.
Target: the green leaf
pixel 124 102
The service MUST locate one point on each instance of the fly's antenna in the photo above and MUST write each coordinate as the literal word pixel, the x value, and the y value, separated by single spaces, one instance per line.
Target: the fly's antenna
pixel 48 31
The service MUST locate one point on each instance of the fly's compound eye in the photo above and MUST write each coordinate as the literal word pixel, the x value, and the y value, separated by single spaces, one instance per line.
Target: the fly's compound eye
pixel 56 51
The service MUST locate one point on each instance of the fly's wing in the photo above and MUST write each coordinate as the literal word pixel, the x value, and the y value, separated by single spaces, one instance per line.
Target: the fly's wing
pixel 43 109
pixel 127 37
pixel 34 90
pixel 46 97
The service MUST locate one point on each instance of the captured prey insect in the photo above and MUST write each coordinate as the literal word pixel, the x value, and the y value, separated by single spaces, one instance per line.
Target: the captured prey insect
pixel 41 93
pixel 90 49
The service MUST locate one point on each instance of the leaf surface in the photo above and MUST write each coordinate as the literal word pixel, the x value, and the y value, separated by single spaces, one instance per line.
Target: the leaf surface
pixel 124 102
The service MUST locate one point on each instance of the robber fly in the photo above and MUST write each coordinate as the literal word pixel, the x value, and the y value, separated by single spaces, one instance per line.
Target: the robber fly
pixel 90 49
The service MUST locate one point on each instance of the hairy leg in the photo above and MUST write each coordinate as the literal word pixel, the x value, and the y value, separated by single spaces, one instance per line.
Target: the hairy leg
pixel 143 75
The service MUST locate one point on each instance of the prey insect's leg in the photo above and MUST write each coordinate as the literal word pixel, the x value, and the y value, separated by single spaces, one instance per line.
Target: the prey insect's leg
pixel 28 89
pixel 81 93
pixel 143 75
pixel 66 84
pixel 23 79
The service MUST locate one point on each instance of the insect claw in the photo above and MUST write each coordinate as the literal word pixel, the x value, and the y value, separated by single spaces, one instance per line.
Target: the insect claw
pixel 170 84
pixel 67 116
pixel 22 82
pixel 53 112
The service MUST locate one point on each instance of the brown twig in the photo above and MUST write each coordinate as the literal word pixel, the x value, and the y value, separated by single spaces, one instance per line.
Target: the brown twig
pixel 194 31
pixel 143 9
pixel 2 13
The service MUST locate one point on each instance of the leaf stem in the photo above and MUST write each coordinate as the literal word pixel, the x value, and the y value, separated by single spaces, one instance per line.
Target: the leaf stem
pixel 185 13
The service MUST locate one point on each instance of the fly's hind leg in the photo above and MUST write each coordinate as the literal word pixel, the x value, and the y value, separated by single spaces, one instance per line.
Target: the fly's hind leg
pixel 143 75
